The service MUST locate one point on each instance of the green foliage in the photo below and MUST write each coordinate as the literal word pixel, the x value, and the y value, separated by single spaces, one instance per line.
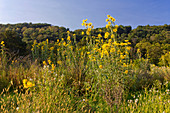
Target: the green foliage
pixel 13 42
pixel 165 60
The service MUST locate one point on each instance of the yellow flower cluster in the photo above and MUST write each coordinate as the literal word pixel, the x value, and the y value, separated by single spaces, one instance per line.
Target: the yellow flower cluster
pixel 99 36
pixel 111 21
pixel 52 67
pixel 106 35
pixel 89 27
pixel 27 84
pixel 2 43
pixel 100 66
pixel 68 38
pixel 44 63
pixel 110 18
pixel 51 48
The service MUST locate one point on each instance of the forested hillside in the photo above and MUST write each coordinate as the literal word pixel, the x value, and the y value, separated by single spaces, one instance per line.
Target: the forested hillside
pixel 153 41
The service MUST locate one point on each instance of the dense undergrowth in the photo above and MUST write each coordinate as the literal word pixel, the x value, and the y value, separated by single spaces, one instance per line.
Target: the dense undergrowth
pixel 93 75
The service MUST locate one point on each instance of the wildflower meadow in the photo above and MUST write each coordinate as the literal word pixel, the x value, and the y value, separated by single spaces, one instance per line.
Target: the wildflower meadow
pixel 95 74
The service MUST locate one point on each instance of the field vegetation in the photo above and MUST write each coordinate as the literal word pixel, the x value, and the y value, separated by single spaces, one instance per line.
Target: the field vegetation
pixel 46 68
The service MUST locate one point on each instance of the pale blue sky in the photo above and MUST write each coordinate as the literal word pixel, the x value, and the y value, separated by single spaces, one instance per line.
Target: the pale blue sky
pixel 70 13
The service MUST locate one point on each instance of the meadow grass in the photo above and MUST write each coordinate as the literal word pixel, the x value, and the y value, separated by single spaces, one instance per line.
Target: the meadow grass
pixel 93 75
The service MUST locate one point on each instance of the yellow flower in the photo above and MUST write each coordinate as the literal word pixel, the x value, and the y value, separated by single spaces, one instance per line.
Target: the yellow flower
pixel 90 24
pixel 99 50
pixel 51 48
pixel 138 50
pixel 102 53
pixel 64 43
pixel 58 40
pixel 35 42
pixel 105 46
pixel 106 35
pixel 87 89
pixel 112 36
pixel 49 61
pixel 107 26
pixel 122 44
pixel 82 24
pixel 86 24
pixel 126 40
pixel 114 30
pixel 118 51
pixel 107 20
pixel 30 84
pixel 97 40
pixel 24 81
pixel 68 38
pixel 100 66
pixel 116 26
pixel 121 56
pixel 94 59
pixel 87 32
pixel 126 52
pixel 89 29
pixel 88 52
pixel 113 19
pixel 102 40
pixel 92 27
pixel 52 67
pixel 109 23
pixel 2 42
pixel 112 50
pixel 84 20
pixel 25 86
pixel 124 65
pixel 126 72
pixel 82 33
pixel 106 52
pixel 90 56
pixel 44 63
pixel 47 41
pixel 128 48
pixel 108 16
pixel 99 35
pixel 42 47
pixel 68 32
pixel 82 53
pixel 27 83
pixel 109 41
pixel 114 43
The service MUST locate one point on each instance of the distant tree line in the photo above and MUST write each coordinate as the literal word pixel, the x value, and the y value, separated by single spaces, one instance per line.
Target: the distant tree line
pixel 153 41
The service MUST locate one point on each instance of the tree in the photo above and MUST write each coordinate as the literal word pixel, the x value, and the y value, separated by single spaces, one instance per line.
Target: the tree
pixel 13 42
